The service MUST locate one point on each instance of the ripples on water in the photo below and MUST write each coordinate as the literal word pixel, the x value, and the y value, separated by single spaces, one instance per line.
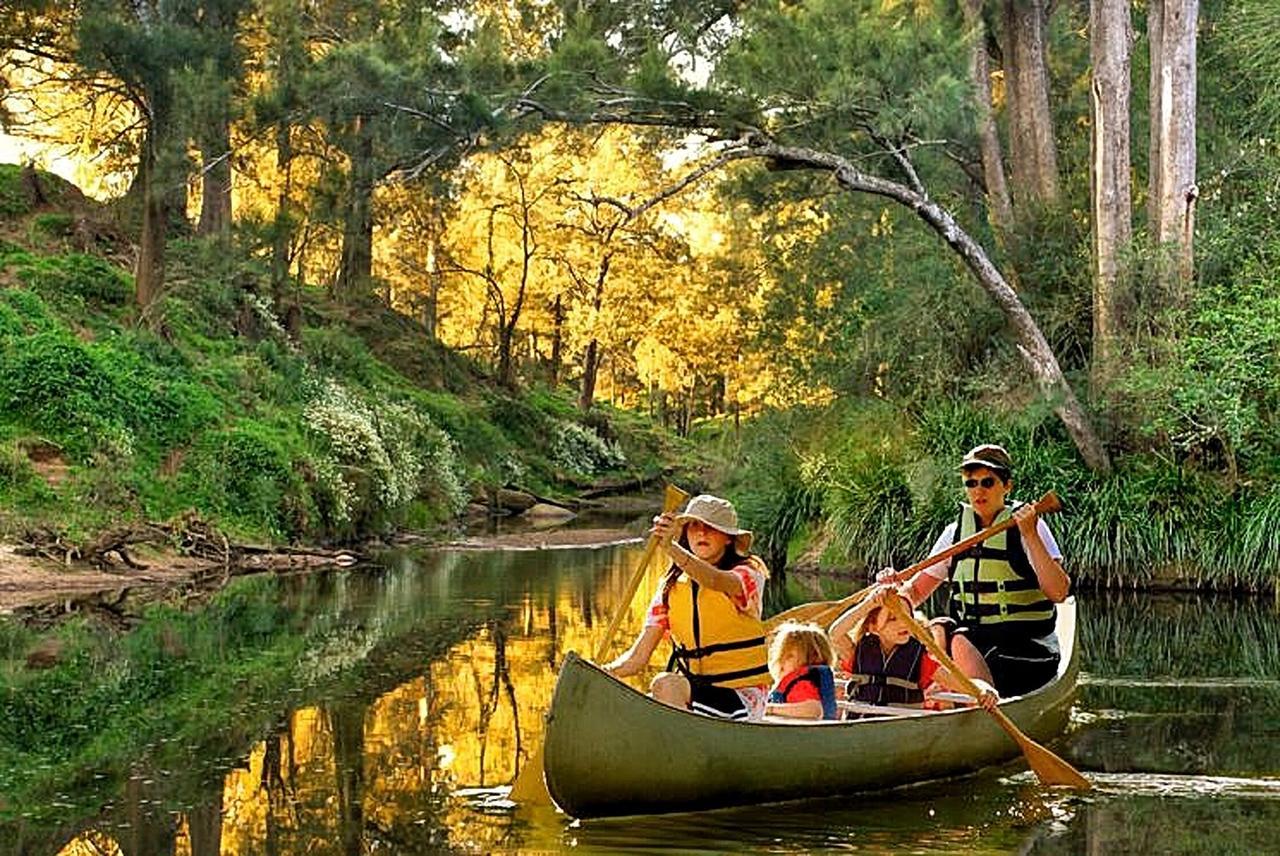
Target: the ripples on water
pixel 422 689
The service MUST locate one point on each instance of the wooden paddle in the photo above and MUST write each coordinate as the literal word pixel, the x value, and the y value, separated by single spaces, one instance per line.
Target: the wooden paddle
pixel 823 612
pixel 818 611
pixel 530 787
pixel 1048 767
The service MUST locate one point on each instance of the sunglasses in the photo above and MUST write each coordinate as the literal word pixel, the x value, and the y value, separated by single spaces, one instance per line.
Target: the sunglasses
pixel 986 481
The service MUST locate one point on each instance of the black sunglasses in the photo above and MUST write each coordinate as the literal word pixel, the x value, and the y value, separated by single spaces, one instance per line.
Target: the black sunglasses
pixel 985 481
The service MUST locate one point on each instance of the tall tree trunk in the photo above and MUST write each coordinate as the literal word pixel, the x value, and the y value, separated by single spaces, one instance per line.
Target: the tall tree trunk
pixel 506 363
pixel 591 363
pixel 431 299
pixel 149 271
pixel 1036 353
pixel 357 235
pixel 1032 149
pixel 215 186
pixel 1155 54
pixel 286 305
pixel 557 339
pixel 590 370
pixel 999 206
pixel 1175 226
pixel 1110 41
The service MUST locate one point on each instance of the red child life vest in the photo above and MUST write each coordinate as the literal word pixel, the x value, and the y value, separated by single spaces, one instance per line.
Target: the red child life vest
pixel 821 677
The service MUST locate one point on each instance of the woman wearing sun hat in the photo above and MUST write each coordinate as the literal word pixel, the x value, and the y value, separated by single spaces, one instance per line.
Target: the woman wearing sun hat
pixel 709 603
pixel 1003 591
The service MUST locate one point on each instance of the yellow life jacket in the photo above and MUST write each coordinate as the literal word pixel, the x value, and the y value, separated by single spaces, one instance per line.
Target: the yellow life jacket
pixel 993 584
pixel 715 643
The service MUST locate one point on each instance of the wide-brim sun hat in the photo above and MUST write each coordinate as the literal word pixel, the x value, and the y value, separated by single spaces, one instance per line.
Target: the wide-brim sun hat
pixel 720 515
pixel 988 455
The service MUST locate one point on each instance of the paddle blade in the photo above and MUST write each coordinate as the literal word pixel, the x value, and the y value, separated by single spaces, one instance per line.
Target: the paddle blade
pixel 530 786
pixel 1050 769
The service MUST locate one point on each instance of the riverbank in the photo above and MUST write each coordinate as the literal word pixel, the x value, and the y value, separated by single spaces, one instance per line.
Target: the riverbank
pixel 301 430
pixel 51 580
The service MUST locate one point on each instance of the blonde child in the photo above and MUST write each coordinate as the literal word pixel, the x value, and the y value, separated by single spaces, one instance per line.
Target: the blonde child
pixel 800 661
pixel 887 665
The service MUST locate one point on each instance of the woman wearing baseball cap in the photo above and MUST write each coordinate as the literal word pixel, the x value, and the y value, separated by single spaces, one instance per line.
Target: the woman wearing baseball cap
pixel 709 604
pixel 1003 591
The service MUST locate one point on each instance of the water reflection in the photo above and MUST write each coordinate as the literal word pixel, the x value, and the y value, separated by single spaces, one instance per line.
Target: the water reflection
pixel 427 690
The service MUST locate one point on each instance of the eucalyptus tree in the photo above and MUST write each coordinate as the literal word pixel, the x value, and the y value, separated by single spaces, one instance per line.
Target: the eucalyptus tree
pixel 864 93
pixel 211 90
pixel 1110 37
pixel 1032 148
pixel 1172 190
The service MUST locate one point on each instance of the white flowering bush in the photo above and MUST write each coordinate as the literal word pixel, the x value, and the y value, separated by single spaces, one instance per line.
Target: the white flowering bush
pixel 394 451
pixel 263 309
pixel 578 449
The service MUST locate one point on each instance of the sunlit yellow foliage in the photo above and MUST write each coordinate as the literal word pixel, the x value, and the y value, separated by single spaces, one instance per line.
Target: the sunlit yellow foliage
pixel 88 141
pixel 92 844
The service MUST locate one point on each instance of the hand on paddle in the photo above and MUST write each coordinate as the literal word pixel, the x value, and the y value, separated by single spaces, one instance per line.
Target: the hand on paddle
pixel 664 527
pixel 886 575
pixel 1026 517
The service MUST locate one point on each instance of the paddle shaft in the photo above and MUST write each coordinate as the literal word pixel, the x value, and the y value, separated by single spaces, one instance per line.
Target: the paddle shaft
pixel 530 787
pixel 819 612
pixel 672 499
pixel 1050 769
pixel 1046 504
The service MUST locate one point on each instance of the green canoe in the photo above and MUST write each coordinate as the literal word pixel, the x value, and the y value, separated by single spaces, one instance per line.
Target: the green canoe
pixel 611 750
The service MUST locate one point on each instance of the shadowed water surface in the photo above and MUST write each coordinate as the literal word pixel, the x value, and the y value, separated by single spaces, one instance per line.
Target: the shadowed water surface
pixel 413 694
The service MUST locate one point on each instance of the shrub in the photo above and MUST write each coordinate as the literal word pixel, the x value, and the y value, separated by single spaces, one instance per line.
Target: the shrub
pixel 246 473
pixel 28 306
pixel 15 467
pixel 395 451
pixel 86 277
pixel 96 396
pixel 339 353
pixel 55 385
pixel 13 199
pixel 578 449
pixel 53 224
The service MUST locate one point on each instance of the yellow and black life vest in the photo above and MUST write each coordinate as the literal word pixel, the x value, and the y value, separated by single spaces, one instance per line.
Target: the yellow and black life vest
pixel 875 679
pixel 993 584
pixel 715 643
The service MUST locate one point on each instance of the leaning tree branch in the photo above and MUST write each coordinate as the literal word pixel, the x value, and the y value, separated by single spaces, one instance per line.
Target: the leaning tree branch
pixel 1035 350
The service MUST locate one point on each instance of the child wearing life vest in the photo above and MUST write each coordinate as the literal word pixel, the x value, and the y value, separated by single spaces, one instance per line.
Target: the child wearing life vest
pixel 800 662
pixel 886 665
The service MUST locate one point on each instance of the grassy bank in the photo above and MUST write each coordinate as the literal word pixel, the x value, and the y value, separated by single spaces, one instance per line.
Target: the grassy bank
pixel 361 424
pixel 863 484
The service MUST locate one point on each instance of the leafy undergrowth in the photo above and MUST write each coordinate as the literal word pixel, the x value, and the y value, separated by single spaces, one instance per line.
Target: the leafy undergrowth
pixel 361 425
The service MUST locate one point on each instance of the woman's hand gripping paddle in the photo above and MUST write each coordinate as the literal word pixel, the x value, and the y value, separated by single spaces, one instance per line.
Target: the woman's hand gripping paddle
pixel 530 787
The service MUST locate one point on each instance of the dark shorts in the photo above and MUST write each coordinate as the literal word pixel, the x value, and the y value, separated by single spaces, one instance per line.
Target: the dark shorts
pixel 1018 668
pixel 716 701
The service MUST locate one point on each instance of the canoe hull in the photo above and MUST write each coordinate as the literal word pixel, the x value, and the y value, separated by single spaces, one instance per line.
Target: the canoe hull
pixel 611 750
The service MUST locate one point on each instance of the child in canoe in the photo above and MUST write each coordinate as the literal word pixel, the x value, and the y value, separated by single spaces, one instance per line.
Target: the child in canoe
pixel 886 665
pixel 800 662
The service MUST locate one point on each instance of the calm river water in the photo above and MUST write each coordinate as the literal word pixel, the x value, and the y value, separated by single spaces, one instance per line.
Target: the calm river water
pixel 419 688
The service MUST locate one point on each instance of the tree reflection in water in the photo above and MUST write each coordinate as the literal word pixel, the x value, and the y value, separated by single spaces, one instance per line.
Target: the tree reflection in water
pixel 416 705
